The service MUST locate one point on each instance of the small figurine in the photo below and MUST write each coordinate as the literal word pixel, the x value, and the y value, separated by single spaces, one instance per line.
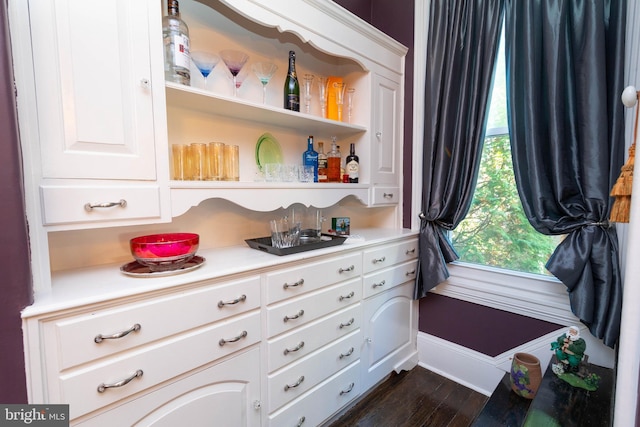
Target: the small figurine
pixel 569 349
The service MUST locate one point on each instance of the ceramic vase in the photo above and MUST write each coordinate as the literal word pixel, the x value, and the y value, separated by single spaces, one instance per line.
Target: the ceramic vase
pixel 526 375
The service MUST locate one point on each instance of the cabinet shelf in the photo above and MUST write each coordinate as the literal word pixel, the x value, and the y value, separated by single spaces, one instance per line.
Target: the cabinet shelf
pixel 211 103
pixel 263 196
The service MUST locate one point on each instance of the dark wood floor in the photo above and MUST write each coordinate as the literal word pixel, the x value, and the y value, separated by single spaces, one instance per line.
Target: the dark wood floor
pixel 413 399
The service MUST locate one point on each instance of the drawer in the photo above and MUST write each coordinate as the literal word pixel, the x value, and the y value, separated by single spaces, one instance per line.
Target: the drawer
pixel 305 278
pixel 296 379
pixel 66 204
pixel 157 362
pixel 302 310
pixel 334 393
pixel 385 195
pixel 387 278
pixel 389 255
pixel 306 339
pixel 75 337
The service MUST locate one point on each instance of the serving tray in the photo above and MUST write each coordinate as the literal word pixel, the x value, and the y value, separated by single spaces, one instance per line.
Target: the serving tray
pixel 264 244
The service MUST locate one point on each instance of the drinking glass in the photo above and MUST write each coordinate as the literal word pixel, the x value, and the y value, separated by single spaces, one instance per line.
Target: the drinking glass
pixel 205 62
pixel 264 71
pixel 350 92
pixel 234 60
pixel 339 86
pixel 307 83
pixel 322 94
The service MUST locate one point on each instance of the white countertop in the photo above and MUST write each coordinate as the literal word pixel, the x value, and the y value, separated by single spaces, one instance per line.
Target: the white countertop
pixel 103 283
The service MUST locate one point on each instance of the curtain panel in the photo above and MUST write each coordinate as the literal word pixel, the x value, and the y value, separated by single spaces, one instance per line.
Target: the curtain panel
pixel 565 71
pixel 461 55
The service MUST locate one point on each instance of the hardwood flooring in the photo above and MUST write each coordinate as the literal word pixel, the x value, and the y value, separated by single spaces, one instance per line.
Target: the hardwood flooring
pixel 417 398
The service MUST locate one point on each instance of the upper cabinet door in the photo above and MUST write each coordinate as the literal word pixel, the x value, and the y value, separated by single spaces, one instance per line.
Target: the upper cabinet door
pixel 386 131
pixel 93 87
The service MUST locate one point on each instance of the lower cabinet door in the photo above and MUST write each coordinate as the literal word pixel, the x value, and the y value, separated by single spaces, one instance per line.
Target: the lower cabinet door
pixel 225 394
pixel 387 329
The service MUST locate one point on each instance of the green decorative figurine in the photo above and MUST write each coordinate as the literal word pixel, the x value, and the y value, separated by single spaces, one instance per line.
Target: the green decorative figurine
pixel 569 349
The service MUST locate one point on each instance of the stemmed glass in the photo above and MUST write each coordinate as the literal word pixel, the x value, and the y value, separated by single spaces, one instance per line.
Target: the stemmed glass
pixel 322 93
pixel 350 92
pixel 340 86
pixel 264 71
pixel 205 62
pixel 234 60
pixel 239 79
pixel 306 86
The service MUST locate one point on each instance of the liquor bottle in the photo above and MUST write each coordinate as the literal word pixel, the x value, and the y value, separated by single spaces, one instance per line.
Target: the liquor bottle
pixel 352 164
pixel 175 36
pixel 322 163
pixel 291 86
pixel 333 162
pixel 310 158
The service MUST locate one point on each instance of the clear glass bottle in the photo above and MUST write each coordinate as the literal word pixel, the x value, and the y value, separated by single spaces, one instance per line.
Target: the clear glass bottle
pixel 333 162
pixel 175 36
pixel 291 86
pixel 322 163
pixel 352 165
pixel 310 158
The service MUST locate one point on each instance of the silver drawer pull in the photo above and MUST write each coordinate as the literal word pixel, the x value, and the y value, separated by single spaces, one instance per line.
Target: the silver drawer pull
pixel 294 284
pixel 296 348
pixel 387 195
pixel 242 298
pixel 410 251
pixel 343 297
pixel 410 273
pixel 297 383
pixel 347 390
pixel 349 323
pixel 377 285
pixel 344 270
pixel 99 338
pixel 234 339
pixel 300 421
pixel 91 206
pixel 377 260
pixel 347 354
pixel 103 387
pixel 295 316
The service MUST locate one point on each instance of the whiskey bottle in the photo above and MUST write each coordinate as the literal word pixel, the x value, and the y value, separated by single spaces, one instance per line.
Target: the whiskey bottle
pixel 322 163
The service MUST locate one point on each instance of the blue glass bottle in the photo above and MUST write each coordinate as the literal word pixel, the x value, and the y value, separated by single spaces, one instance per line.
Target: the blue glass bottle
pixel 310 158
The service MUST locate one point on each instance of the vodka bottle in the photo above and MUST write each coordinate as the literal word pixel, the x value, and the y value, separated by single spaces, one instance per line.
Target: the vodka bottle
pixel 322 163
pixel 291 86
pixel 310 158
pixel 333 162
pixel 352 165
pixel 175 35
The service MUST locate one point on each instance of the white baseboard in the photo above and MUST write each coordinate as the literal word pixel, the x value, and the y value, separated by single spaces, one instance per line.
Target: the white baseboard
pixel 472 369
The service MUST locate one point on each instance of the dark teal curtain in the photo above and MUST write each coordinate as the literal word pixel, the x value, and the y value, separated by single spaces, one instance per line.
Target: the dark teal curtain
pixel 461 54
pixel 565 62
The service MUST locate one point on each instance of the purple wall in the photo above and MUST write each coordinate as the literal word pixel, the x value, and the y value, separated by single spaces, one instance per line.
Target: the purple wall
pixel 14 250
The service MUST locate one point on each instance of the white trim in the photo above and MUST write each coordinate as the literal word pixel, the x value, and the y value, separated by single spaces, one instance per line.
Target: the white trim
pixel 421 22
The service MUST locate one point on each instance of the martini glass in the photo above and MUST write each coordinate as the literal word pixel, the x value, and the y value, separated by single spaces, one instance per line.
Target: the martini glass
pixel 234 60
pixel 264 71
pixel 205 62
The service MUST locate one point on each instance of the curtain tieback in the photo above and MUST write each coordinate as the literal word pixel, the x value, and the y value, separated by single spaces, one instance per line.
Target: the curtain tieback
pixel 603 224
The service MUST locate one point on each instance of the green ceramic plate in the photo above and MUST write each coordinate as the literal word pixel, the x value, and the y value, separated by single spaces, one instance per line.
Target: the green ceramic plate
pixel 268 150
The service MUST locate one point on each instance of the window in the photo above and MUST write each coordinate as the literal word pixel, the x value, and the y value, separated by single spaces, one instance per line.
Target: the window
pixel 496 231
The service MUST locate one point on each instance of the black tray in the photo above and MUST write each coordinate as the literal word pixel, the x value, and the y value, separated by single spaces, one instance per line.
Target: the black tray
pixel 264 244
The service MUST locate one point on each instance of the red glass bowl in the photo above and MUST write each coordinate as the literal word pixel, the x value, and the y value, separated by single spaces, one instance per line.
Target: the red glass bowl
pixel 164 252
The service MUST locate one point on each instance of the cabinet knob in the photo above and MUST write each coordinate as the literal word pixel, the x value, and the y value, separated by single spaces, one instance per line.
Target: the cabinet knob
pixel 379 135
pixel 144 82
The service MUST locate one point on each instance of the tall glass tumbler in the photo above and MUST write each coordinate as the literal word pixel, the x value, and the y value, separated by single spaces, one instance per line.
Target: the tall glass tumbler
pixel 198 161
pixel 180 162
pixel 215 156
pixel 231 163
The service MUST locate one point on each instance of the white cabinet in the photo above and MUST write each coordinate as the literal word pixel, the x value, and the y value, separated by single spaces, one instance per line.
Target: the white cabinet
pixel 389 311
pixel 224 394
pixel 386 136
pixel 98 101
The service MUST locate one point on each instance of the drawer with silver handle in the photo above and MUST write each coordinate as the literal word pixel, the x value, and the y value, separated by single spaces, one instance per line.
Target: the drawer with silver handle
pixel 382 280
pixel 388 255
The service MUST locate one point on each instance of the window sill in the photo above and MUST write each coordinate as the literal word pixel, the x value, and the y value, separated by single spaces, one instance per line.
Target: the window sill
pixel 531 295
